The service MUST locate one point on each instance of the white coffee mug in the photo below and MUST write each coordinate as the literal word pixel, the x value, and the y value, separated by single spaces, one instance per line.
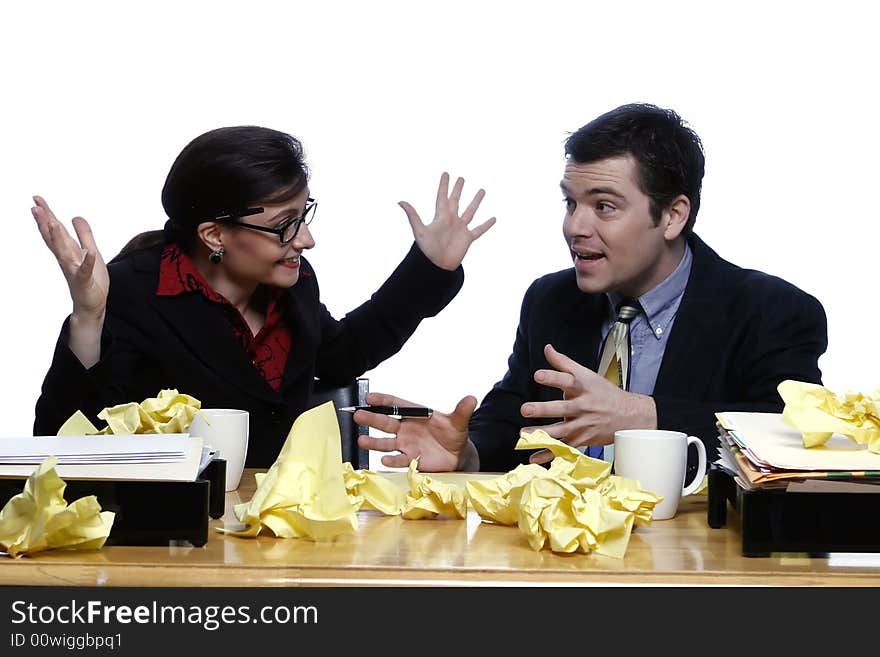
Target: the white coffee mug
pixel 657 459
pixel 226 430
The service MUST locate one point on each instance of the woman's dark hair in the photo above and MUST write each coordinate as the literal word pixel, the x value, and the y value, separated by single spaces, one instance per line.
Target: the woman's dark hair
pixel 668 153
pixel 225 170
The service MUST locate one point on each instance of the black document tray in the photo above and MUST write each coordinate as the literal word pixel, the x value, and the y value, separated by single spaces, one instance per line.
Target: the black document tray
pixel 775 520
pixel 149 512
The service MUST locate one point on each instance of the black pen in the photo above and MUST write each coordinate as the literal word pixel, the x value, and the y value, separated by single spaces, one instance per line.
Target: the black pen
pixel 400 411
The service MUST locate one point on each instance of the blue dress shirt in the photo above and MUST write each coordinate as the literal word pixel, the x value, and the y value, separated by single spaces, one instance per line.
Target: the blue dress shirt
pixel 648 331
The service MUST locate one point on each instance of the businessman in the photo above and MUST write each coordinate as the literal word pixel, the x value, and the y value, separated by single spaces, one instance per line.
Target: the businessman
pixel 701 334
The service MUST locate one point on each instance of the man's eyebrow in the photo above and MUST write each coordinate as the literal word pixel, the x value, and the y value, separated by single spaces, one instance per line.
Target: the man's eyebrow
pixel 594 191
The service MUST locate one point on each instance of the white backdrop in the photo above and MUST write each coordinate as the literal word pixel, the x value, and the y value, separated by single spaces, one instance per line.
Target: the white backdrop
pixel 99 98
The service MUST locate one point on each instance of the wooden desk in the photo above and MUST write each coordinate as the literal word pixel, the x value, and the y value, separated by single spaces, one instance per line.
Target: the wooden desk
pixel 392 551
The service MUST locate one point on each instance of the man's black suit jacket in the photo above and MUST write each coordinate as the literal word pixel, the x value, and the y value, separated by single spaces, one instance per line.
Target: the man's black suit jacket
pixel 738 333
pixel 154 342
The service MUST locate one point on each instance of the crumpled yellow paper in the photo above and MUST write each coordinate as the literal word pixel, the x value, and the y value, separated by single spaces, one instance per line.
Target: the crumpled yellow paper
pixel 370 490
pixel 303 494
pixel 497 499
pixel 170 412
pixel 428 498
pixel 818 413
pixel 627 495
pixel 574 505
pixel 557 514
pixel 40 519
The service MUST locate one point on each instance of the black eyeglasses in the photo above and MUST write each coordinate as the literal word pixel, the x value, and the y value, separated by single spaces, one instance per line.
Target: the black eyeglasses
pixel 286 230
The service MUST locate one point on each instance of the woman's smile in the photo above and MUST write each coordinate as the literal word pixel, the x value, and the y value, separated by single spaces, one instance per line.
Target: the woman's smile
pixel 290 263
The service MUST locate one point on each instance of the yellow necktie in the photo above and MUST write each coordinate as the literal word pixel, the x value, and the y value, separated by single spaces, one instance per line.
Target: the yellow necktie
pixel 614 361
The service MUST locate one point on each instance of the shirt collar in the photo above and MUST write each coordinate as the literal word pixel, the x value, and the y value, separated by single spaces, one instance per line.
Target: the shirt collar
pixel 661 303
pixel 178 274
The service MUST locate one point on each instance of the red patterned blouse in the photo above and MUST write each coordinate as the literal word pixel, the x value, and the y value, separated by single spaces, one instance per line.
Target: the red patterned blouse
pixel 268 349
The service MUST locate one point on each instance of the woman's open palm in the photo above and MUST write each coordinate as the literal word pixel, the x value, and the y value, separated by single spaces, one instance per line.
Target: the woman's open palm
pixel 447 238
pixel 79 259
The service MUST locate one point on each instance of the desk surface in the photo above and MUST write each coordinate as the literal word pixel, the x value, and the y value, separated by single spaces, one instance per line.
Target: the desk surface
pixel 392 551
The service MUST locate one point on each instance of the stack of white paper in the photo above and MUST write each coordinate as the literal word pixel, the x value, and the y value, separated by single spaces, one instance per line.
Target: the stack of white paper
pixel 168 457
pixel 767 442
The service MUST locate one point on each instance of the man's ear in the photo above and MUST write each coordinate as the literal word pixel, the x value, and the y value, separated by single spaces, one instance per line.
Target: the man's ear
pixel 210 234
pixel 675 217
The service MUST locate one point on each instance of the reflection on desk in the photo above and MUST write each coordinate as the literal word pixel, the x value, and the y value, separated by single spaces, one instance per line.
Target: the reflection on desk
pixel 392 551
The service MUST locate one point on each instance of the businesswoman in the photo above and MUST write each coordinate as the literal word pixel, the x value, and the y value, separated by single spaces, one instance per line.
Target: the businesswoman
pixel 222 305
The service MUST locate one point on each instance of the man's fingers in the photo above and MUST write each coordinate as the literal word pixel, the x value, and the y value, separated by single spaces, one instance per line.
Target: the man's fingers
pixel 541 456
pixel 377 444
pixel 555 430
pixel 378 421
pixel 566 433
pixel 559 408
pixel 561 361
pixel 562 380
pixel 396 460
pixel 461 416
pixel 385 445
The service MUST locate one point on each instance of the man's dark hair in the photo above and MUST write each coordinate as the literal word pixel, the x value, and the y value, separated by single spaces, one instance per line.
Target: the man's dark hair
pixel 668 153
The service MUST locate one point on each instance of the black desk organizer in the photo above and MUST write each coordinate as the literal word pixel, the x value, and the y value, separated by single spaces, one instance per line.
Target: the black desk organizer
pixel 774 520
pixel 149 512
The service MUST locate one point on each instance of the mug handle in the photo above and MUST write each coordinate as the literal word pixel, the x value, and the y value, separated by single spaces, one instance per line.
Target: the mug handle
pixel 701 466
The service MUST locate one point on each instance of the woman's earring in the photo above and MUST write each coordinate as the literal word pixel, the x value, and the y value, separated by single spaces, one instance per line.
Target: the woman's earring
pixel 217 255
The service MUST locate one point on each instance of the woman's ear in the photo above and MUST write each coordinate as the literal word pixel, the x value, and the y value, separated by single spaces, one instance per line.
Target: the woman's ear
pixel 675 217
pixel 210 234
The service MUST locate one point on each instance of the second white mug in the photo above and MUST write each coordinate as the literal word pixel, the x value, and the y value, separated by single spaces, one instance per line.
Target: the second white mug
pixel 226 430
pixel 657 459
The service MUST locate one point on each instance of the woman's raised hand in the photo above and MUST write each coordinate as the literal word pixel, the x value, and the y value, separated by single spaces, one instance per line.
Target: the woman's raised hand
pixel 80 261
pixel 447 238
